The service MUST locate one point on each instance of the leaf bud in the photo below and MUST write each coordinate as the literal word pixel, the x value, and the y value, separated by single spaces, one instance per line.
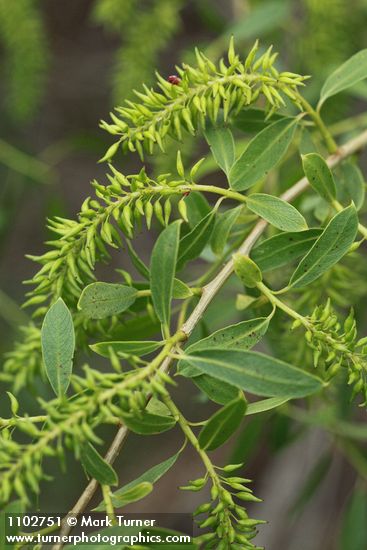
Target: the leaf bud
pixel 247 270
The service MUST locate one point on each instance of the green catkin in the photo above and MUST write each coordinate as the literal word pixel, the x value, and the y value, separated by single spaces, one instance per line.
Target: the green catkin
pixel 23 36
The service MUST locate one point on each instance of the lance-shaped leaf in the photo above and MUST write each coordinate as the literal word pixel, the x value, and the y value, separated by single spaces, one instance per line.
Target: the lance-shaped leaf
pixel 58 343
pixel 311 484
pixel 330 247
pixel 217 390
pixel 352 184
pixel 345 76
pixel 197 208
pixel 15 507
pixel 100 300
pixel 137 261
pixel 306 143
pixel 221 143
pixel 255 372
pixel 146 423
pixel 262 154
pixel 138 492
pixel 276 211
pixel 122 348
pixel 127 494
pixel 246 270
pixel 265 405
pixel 222 228
pixel 162 270
pixel 283 248
pixel 222 424
pixel 96 466
pixel 241 336
pixel 254 120
pixel 353 534
pixel 192 244
pixel 122 496
pixel 319 175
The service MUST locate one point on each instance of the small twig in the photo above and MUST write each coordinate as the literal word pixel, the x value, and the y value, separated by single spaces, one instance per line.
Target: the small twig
pixel 209 292
pixel 92 486
pixel 106 491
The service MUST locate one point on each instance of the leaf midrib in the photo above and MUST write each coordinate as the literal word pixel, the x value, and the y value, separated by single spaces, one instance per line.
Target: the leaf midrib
pixel 266 149
pixel 234 341
pixel 253 374
pixel 321 257
pixel 342 81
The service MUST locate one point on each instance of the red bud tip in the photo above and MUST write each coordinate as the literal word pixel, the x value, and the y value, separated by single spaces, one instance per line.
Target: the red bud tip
pixel 174 79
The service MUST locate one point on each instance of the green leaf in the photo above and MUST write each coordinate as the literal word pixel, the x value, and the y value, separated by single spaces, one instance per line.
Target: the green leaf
pixel 162 270
pixel 16 507
pixel 242 336
pixel 265 405
pixel 100 300
pixel 58 343
pixel 345 76
pixel 353 183
pixel 138 492
pixel 249 438
pixel 197 207
pixel 134 488
pixel 263 18
pixel 145 324
pixel 306 143
pixel 151 476
pixel 222 424
pixel 319 176
pixel 354 527
pixel 244 301
pixel 181 290
pixel 283 248
pixel 155 406
pixel 262 154
pixel 255 372
pixel 217 390
pixel 254 120
pixel 96 466
pixel 246 270
pixel 137 261
pixel 311 484
pixel 277 212
pixel 222 229
pixel 192 244
pixel 330 247
pixel 125 347
pixel 122 497
pixel 221 143
pixel 147 423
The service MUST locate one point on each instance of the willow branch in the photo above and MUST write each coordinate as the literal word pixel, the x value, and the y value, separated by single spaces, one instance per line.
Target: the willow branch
pixel 212 288
pixel 209 292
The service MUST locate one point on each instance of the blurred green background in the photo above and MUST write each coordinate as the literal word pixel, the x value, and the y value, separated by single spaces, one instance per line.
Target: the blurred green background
pixel 64 65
